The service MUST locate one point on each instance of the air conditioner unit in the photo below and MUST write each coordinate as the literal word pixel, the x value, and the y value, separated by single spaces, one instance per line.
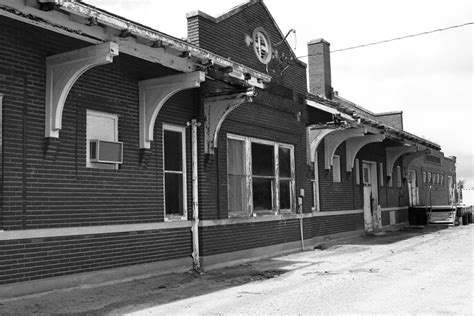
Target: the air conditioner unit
pixel 105 151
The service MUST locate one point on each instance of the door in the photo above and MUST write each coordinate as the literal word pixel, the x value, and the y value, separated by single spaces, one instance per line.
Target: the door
pixel 372 216
pixel 412 188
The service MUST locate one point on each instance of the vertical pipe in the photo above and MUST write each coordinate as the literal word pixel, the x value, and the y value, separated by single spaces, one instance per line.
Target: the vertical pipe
pixel 1 161
pixel 195 221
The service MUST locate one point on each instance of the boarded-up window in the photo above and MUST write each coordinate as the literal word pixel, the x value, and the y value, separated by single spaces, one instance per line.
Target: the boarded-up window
pixel 236 177
pixel 399 177
pixel 336 169
pixel 357 171
pixel 174 172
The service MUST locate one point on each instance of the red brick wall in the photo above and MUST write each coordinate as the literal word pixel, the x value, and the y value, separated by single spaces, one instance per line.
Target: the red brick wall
pixel 60 191
pixel 439 193
pixel 227 38
pixel 335 196
pixel 49 192
pixel 31 259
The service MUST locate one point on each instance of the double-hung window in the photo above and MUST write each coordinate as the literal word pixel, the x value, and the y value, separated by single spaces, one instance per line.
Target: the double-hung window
pixel 174 172
pixel 260 176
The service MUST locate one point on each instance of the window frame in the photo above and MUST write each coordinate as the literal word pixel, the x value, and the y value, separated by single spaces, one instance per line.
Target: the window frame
pixel 399 176
pixel 381 182
pixel 357 171
pixel 336 172
pixel 259 35
pixel 183 172
pixel 249 176
pixel 106 115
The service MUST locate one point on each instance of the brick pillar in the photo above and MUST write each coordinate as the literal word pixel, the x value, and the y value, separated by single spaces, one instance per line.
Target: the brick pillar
pixel 319 65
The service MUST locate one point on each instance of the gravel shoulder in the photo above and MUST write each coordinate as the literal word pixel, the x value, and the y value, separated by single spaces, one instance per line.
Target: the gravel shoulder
pixel 429 271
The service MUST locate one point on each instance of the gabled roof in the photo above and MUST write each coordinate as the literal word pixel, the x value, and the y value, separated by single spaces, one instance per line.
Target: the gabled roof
pixel 239 8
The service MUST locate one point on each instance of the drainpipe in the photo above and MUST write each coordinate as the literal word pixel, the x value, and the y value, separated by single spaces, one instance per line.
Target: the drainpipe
pixel 195 221
pixel 300 211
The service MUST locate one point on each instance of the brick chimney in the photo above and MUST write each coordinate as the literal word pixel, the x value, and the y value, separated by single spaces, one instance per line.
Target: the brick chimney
pixel 319 67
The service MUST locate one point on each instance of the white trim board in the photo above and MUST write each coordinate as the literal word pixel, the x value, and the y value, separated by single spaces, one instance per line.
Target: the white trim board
pixel 89 230
pixel 396 208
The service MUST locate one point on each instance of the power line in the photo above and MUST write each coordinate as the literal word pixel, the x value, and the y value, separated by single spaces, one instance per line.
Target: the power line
pixel 397 38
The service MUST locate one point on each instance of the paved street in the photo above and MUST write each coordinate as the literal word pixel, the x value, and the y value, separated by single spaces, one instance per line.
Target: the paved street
pixel 400 273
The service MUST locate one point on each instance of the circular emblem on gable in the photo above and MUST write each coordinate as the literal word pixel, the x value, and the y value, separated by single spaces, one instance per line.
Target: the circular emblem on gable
pixel 262 45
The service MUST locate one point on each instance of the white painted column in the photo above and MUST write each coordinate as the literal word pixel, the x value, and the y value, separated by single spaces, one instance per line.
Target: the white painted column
pixel 195 185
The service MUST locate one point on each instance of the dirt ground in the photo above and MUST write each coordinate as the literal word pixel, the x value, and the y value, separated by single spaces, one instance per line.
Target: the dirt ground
pixel 415 271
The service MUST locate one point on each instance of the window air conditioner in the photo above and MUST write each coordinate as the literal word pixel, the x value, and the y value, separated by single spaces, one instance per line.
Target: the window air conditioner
pixel 105 151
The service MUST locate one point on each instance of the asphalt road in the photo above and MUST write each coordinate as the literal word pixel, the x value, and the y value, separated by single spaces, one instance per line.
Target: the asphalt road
pixel 429 272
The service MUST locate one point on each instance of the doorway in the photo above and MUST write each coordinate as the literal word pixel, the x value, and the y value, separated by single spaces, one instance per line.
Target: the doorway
pixel 372 212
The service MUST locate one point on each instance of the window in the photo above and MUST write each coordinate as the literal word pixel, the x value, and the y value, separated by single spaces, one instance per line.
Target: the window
pixel 314 206
pixel 366 174
pixel 100 126
pixel 236 177
pixel 260 176
pixel 357 171
pixel 424 176
pixel 174 172
pixel 399 177
pixel 315 186
pixel 381 174
pixel 428 179
pixel 262 45
pixel 336 168
pixel 441 180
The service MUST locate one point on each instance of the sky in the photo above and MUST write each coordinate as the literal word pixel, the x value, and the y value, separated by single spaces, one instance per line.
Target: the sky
pixel 429 77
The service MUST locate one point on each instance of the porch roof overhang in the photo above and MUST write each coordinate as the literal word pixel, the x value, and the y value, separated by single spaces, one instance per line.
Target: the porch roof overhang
pixel 410 152
pixel 357 118
pixel 90 24
pixel 111 34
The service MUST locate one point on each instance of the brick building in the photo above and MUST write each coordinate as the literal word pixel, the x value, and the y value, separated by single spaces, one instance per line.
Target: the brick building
pixel 126 151
pixel 387 169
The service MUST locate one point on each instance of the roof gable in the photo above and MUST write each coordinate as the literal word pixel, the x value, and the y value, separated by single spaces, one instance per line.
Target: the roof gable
pixel 232 34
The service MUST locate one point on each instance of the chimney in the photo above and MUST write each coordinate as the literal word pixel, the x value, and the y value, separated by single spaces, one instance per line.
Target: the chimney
pixel 319 65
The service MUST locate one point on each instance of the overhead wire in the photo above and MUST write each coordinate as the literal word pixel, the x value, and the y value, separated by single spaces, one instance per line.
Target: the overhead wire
pixel 397 38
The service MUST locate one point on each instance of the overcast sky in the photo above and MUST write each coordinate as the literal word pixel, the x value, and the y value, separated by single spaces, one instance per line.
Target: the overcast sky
pixel 429 77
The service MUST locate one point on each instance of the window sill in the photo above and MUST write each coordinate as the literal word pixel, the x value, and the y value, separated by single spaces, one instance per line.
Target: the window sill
pixel 175 218
pixel 251 219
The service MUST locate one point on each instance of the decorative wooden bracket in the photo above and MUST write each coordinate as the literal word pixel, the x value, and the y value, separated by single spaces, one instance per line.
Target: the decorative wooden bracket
pixel 409 158
pixel 153 95
pixel 354 144
pixel 333 140
pixel 393 153
pixel 62 71
pixel 216 110
pixel 315 136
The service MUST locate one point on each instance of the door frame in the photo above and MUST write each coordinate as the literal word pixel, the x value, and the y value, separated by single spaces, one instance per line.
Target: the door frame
pixel 372 216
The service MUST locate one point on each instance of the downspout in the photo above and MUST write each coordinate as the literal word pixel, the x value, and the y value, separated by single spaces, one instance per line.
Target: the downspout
pixel 195 186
